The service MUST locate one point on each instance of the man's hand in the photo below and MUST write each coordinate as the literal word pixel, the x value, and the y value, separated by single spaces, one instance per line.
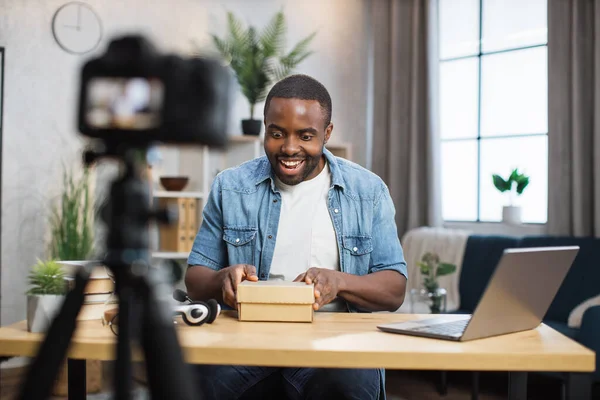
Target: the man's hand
pixel 327 284
pixel 231 278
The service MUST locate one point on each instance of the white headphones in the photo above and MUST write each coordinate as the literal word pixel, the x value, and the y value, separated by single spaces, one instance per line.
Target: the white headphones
pixel 196 313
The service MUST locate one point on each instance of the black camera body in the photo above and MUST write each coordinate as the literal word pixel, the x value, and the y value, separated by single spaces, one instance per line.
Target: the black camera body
pixel 133 96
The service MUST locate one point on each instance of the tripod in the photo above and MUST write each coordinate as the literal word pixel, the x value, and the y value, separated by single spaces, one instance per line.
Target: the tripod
pixel 145 316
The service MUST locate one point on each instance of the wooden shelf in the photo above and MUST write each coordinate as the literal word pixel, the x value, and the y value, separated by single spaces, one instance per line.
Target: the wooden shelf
pixel 170 255
pixel 244 139
pixel 171 194
pixel 343 150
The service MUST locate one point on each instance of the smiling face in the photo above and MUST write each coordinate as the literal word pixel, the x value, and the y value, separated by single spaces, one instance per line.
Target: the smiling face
pixel 295 134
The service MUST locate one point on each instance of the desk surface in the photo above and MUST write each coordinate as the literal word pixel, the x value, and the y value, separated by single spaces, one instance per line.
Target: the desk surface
pixel 333 340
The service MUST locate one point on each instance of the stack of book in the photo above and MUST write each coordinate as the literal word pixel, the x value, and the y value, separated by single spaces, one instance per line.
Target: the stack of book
pixel 98 293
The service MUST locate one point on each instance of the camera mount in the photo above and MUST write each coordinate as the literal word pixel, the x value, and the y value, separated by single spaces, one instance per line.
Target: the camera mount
pixel 131 97
pixel 145 316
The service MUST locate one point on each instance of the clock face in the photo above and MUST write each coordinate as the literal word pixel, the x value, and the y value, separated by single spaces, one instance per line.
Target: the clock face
pixel 77 28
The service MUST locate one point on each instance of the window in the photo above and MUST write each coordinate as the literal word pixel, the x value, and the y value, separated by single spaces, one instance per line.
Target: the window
pixel 493 106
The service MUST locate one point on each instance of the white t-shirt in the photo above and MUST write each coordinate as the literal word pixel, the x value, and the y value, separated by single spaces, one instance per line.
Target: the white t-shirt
pixel 305 236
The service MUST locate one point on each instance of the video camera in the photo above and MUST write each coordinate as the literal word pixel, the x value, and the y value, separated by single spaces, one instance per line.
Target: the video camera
pixel 133 96
pixel 130 98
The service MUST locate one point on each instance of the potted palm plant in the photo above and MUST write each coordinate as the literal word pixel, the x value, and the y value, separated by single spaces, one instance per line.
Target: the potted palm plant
pixel 515 184
pixel 45 295
pixel 258 59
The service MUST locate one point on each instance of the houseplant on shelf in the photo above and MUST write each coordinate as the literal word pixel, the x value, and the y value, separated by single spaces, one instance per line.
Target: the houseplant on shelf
pixel 45 295
pixel 515 184
pixel 258 59
pixel 431 269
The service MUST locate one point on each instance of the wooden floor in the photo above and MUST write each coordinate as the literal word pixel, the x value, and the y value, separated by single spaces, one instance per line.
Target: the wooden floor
pixel 422 385
pixel 400 385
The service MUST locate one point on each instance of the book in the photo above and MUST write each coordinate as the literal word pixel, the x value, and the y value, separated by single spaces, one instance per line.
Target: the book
pixel 100 298
pixel 94 311
pixel 100 287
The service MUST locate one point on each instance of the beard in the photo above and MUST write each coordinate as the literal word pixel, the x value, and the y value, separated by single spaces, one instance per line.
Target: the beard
pixel 294 176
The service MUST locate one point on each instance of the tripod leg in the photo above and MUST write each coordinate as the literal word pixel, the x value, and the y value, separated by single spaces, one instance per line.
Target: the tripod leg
pixel 122 371
pixel 44 368
pixel 168 375
pixel 76 375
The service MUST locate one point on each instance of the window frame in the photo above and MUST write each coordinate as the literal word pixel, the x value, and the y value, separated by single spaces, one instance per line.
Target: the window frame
pixel 479 138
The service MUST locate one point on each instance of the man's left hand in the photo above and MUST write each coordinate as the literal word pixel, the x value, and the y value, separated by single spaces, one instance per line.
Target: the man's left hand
pixel 327 284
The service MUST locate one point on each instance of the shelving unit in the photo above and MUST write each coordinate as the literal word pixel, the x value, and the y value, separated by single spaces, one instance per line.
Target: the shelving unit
pixel 201 164
pixel 170 255
pixel 167 194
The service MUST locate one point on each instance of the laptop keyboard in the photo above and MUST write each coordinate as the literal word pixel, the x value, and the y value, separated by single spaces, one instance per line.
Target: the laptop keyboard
pixel 446 328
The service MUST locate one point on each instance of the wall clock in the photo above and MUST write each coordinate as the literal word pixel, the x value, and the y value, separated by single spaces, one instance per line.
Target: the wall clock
pixel 77 28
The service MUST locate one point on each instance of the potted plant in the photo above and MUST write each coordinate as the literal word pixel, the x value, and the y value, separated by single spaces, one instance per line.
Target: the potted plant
pixel 72 239
pixel 515 184
pixel 431 269
pixel 258 59
pixel 45 295
pixel 71 220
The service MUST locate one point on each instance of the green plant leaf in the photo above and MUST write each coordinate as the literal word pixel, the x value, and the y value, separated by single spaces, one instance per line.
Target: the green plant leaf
pixel 522 184
pixel 445 269
pixel 500 183
pixel 514 175
pixel 46 278
pixel 430 284
pixel 71 221
pixel 236 30
pixel 223 47
pixel 425 268
pixel 430 258
pixel 277 71
pixel 273 36
pixel 299 52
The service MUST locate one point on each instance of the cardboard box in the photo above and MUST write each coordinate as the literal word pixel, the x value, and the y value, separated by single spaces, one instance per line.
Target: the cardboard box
pixel 275 301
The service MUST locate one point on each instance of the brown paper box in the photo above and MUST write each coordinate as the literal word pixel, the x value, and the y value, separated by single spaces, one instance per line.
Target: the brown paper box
pixel 275 301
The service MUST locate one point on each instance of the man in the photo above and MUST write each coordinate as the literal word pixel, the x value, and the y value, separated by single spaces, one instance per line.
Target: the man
pixel 299 214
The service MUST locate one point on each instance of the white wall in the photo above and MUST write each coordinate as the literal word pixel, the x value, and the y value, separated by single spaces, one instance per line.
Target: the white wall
pixel 40 87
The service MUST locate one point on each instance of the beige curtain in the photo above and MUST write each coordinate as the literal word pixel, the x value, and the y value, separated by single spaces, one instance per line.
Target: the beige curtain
pixel 574 117
pixel 404 124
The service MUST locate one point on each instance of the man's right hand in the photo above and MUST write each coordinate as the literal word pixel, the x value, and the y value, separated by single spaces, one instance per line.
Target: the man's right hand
pixel 231 278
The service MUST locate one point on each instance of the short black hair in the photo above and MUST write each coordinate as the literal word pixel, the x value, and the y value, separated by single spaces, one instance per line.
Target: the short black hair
pixel 303 87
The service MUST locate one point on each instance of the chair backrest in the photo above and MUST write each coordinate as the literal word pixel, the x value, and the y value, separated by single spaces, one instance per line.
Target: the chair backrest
pixel 481 257
pixel 583 280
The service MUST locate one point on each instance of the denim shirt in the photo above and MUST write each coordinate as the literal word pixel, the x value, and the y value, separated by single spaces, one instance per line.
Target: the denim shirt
pixel 241 217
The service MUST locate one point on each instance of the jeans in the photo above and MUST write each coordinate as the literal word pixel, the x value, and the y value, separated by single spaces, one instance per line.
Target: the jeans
pixel 232 382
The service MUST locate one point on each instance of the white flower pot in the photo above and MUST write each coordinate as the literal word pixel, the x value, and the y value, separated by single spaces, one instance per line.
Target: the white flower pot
pixel 511 215
pixel 41 310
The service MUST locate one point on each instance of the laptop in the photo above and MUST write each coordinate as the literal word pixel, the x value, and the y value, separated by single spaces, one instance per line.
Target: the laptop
pixel 516 298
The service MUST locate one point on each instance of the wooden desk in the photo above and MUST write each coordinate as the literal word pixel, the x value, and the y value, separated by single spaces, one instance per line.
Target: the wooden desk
pixel 349 340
